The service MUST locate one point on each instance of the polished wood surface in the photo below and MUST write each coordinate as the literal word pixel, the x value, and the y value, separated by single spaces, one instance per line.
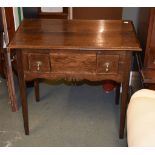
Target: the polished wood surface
pixel 75 50
pixel 147 36
pixel 99 34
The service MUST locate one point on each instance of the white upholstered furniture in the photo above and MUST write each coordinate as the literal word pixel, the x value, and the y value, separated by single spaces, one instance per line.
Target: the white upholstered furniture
pixel 141 119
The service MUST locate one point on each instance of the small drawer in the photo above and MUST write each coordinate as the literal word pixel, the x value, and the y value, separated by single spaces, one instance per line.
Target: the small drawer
pixel 107 64
pixel 39 62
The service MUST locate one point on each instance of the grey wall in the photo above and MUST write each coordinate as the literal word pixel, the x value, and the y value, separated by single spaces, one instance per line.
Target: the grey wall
pixel 30 12
pixel 131 13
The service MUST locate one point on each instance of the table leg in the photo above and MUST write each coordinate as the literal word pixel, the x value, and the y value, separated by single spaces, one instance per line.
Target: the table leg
pixel 22 85
pixel 10 81
pixel 123 109
pixel 124 95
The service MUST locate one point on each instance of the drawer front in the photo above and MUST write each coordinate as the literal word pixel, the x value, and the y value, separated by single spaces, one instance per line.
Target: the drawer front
pixel 107 64
pixel 39 62
pixel 73 62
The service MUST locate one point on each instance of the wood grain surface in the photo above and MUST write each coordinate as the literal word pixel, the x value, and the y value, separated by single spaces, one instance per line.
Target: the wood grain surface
pixel 92 34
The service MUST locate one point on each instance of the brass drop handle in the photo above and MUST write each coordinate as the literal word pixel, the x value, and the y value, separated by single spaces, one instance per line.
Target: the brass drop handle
pixel 39 63
pixel 107 64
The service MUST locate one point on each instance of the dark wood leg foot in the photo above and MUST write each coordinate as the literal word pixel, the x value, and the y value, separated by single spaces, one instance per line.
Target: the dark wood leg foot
pixel 117 94
pixel 22 85
pixel 36 87
pixel 25 119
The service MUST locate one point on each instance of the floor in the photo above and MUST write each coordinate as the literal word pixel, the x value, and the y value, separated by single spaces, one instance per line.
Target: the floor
pixel 67 115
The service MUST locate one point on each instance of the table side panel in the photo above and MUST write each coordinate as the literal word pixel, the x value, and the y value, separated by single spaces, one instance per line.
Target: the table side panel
pixel 74 64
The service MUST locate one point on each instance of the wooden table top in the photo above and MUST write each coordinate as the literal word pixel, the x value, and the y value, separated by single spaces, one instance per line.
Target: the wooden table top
pixel 76 34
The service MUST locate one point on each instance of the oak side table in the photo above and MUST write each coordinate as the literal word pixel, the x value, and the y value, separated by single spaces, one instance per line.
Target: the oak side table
pixel 93 50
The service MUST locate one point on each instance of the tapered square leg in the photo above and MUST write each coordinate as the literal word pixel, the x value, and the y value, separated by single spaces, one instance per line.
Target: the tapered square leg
pixel 124 95
pixel 22 85
pixel 124 100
